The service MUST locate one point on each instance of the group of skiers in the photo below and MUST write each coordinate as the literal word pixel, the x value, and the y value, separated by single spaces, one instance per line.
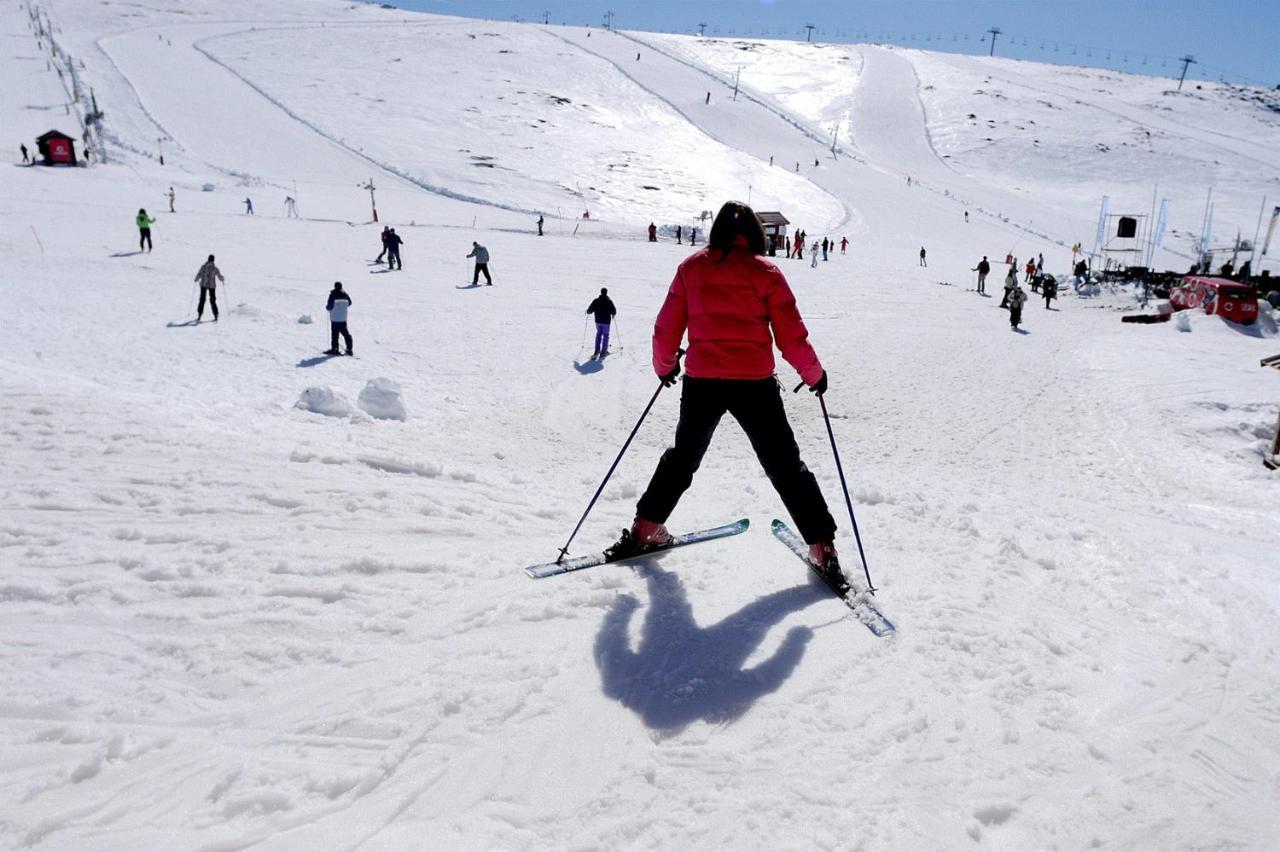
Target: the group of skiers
pixel 1014 296
pixel 391 242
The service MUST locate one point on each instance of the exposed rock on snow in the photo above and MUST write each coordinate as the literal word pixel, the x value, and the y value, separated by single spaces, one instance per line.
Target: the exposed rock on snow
pixel 305 319
pixel 381 399
pixel 326 401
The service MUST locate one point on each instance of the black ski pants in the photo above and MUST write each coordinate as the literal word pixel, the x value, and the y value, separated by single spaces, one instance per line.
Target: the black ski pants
pixel 144 239
pixel 336 328
pixel 393 258
pixel 213 302
pixel 757 406
pixel 481 267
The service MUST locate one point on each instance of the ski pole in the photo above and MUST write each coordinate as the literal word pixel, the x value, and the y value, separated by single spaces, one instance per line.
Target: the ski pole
pixel 583 344
pixel 564 551
pixel 845 486
pixel 619 334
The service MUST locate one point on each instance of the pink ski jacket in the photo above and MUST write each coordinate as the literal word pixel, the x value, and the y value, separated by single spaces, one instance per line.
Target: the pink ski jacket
pixel 734 311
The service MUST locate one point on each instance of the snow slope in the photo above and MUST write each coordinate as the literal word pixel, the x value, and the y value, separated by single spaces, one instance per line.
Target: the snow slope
pixel 1039 143
pixel 233 621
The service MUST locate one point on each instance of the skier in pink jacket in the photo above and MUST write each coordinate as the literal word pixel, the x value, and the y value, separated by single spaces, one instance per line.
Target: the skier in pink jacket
pixel 734 304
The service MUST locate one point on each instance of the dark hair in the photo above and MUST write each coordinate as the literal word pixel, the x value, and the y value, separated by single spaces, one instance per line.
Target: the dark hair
pixel 211 258
pixel 604 291
pixel 734 220
pixel 337 285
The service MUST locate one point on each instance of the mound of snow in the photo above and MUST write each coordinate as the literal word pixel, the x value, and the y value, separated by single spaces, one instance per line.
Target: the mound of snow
pixel 326 401
pixel 381 399
pixel 305 319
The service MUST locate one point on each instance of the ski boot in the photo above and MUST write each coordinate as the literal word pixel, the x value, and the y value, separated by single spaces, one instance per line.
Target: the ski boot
pixel 641 538
pixel 823 555
pixel 332 352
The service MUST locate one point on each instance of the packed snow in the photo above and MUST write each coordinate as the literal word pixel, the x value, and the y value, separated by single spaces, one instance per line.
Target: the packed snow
pixel 232 620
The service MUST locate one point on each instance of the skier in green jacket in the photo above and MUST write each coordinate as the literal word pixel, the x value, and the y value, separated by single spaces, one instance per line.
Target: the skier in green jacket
pixel 144 229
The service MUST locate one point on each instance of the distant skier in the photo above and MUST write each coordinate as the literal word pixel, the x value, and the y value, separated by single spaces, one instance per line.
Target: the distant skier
pixel 290 207
pixel 393 250
pixel 207 277
pixel 813 256
pixel 966 216
pixel 337 307
pixel 144 223
pixel 653 233
pixel 923 262
pixel 248 206
pixel 708 100
pixel 1010 282
pixel 539 224
pixel 731 370
pixel 983 268
pixel 824 248
pixel 1050 290
pixel 679 235
pixel 844 244
pixel 605 311
pixel 693 236
pixel 799 255
pixel 171 199
pixel 1081 272
pixel 1016 300
pixel 481 254
pixel 26 155
pixel 383 253
pixel 1030 269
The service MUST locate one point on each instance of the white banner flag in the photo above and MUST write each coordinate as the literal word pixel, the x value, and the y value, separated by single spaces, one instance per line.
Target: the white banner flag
pixel 1102 222
pixel 1158 241
pixel 1271 229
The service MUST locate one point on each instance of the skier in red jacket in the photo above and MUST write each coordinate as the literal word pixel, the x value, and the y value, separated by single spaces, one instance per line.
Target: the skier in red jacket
pixel 734 304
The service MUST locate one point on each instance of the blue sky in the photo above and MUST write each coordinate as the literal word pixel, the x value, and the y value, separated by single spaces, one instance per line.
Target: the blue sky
pixel 1236 41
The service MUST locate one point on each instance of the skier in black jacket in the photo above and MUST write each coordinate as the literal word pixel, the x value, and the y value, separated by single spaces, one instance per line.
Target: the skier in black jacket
pixel 393 243
pixel 605 311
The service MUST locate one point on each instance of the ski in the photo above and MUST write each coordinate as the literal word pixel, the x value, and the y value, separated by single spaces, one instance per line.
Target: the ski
pixel 577 563
pixel 857 599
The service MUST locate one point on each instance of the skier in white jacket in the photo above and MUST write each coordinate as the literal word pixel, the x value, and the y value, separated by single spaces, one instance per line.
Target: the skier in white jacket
pixel 337 306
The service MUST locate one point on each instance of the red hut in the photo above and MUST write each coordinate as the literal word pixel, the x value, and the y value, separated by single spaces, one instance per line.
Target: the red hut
pixel 57 148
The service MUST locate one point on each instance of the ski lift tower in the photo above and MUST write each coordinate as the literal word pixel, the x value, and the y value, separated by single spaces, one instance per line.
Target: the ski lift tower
pixel 1127 235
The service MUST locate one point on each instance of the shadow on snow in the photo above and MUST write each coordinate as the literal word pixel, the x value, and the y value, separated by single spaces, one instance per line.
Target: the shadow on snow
pixel 315 360
pixel 681 672
pixel 586 368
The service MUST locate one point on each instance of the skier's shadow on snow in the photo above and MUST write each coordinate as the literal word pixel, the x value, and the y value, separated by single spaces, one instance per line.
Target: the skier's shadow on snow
pixel 1021 331
pixel 586 368
pixel 126 253
pixel 186 324
pixel 315 360
pixel 682 672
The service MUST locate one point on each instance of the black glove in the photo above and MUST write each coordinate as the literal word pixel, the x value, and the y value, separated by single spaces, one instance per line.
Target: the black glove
pixel 670 378
pixel 820 386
